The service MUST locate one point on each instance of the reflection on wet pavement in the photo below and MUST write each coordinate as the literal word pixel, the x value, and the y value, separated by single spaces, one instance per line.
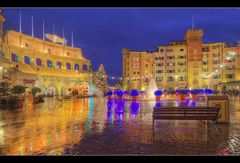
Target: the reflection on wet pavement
pixel 98 126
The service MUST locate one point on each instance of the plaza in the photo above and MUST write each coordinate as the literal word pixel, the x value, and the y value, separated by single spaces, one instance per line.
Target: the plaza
pixel 94 126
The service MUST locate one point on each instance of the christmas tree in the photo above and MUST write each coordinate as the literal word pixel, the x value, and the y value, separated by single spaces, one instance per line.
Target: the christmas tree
pixel 100 79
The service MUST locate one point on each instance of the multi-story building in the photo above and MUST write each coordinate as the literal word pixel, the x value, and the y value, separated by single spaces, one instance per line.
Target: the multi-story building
pixel 139 68
pixel 31 61
pixel 188 63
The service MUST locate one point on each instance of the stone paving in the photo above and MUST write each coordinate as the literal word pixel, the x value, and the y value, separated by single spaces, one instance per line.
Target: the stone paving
pixel 96 127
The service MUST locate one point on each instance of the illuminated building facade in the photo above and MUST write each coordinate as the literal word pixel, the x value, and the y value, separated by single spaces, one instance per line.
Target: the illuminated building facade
pixel 31 61
pixel 186 63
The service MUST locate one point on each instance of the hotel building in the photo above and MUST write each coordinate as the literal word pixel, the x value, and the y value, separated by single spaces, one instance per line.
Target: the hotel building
pixel 31 61
pixel 187 63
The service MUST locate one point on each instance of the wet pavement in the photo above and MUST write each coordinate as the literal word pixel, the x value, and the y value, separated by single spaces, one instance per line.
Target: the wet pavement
pixel 96 126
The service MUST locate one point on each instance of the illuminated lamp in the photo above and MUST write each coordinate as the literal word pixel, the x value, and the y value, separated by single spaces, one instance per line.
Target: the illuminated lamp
pixel 208 91
pixel 109 94
pixel 158 94
pixel 193 93
pixel 134 94
pixel 120 94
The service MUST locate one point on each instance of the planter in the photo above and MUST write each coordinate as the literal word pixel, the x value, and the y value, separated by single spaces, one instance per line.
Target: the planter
pixel 193 97
pixel 181 97
pixel 158 98
pixel 134 98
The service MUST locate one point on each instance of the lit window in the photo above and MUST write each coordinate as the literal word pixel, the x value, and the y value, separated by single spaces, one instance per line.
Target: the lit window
pixel 14 57
pixel 68 66
pixel 76 67
pixel 38 62
pixel 59 64
pixel 27 60
pixel 49 63
pixel 84 67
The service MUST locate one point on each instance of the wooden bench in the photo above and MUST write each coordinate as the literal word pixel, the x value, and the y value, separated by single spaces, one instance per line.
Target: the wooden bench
pixel 205 113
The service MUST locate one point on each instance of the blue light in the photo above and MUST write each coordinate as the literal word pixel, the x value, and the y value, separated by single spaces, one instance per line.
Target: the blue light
pixel 208 91
pixel 134 92
pixel 120 93
pixel 158 93
pixel 109 93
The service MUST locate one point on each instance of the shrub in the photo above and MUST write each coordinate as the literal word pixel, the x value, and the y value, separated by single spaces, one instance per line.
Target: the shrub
pixel 35 90
pixel 18 89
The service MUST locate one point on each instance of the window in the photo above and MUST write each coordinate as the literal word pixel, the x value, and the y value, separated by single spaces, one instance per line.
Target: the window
pixel 206 49
pixel 38 62
pixel 217 76
pixel 49 51
pixel 170 57
pixel 204 63
pixel 170 78
pixel 181 78
pixel 14 57
pixel 159 79
pixel 26 45
pixel 205 70
pixel 161 50
pixel 170 71
pixel 134 72
pixel 159 71
pixel 230 76
pixel 138 72
pixel 85 67
pixel 146 65
pixel 68 53
pixel 59 64
pixel 169 50
pixel 182 57
pixel 49 63
pixel 181 63
pixel 170 64
pixel 181 50
pixel 68 66
pixel 76 67
pixel 27 60
pixel 216 62
pixel 160 64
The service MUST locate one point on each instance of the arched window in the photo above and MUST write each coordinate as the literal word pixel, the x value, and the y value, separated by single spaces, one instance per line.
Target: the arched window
pixel 14 57
pixel 49 63
pixel 38 62
pixel 59 64
pixel 27 60
pixel 68 66
pixel 76 67
pixel 85 67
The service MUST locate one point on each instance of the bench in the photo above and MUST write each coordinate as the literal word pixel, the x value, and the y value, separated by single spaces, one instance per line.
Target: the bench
pixel 205 113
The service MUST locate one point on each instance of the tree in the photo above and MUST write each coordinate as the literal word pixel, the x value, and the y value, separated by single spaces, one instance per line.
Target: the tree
pixel 18 89
pixel 100 79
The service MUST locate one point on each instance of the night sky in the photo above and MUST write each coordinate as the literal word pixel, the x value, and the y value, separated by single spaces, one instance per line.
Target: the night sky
pixel 101 33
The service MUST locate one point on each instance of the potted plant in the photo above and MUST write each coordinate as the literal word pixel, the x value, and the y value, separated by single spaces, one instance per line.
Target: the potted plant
pixel 18 91
pixel 134 94
pixel 36 98
pixel 194 93
pixel 109 94
pixel 181 94
pixel 119 94
pixel 158 94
